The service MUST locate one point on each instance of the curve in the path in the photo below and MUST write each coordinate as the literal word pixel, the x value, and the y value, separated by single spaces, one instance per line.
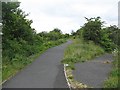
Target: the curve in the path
pixel 93 73
pixel 44 72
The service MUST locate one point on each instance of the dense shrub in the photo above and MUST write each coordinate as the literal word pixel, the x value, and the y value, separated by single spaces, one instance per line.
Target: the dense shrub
pixel 20 41
pixel 105 37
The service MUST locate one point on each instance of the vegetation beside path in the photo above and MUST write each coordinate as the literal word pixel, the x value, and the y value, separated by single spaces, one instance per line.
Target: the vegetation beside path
pixel 91 40
pixel 113 79
pixel 20 42
pixel 79 51
pixel 19 62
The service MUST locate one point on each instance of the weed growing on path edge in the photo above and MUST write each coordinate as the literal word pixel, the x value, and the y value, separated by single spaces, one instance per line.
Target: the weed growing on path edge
pixel 73 84
pixel 113 79
pixel 79 51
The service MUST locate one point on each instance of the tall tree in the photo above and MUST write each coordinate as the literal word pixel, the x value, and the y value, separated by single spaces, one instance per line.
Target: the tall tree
pixel 15 24
pixel 17 31
pixel 92 29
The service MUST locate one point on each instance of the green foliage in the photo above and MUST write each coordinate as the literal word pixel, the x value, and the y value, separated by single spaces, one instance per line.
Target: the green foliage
pixel 55 34
pixel 66 35
pixel 112 81
pixel 108 39
pixel 81 51
pixel 73 33
pixel 96 40
pixel 92 29
pixel 21 44
pixel 105 41
pixel 105 37
pixel 15 24
pixel 114 34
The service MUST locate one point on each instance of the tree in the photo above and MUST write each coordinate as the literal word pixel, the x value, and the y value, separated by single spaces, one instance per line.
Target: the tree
pixel 15 24
pixel 113 33
pixel 105 40
pixel 55 34
pixel 73 33
pixel 57 31
pixel 106 37
pixel 18 36
pixel 92 29
pixel 66 35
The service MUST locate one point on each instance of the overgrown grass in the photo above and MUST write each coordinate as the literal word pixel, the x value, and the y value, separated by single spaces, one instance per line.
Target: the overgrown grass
pixel 112 81
pixel 80 51
pixel 11 67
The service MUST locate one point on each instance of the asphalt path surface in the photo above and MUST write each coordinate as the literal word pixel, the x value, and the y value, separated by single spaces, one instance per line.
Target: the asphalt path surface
pixel 93 73
pixel 45 72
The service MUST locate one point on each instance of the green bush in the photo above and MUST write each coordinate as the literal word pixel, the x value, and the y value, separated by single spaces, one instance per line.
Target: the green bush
pixel 20 42
pixel 113 79
pixel 105 37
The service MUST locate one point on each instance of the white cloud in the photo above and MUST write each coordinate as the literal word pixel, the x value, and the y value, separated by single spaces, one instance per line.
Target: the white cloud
pixel 68 15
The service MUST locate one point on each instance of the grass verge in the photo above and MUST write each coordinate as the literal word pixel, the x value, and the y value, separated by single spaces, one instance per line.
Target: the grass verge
pixel 79 51
pixel 112 81
pixel 9 68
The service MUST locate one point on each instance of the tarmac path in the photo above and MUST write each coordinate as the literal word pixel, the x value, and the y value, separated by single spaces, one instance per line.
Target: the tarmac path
pixel 94 72
pixel 44 72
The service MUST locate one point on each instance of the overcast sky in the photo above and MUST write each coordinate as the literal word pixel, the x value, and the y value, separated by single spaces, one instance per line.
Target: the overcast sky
pixel 68 15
